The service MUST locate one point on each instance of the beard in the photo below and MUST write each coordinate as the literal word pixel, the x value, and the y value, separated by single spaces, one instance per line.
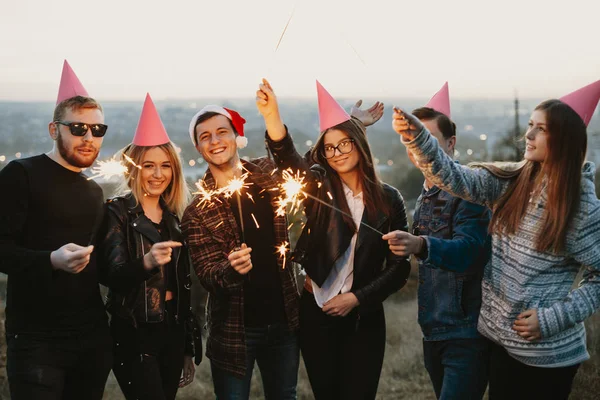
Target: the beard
pixel 72 157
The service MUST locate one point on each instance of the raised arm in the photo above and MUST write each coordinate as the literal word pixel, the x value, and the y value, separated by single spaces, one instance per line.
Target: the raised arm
pixel 474 185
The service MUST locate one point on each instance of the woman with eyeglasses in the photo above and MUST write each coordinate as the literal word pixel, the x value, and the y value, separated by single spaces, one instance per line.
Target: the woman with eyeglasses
pixel 145 264
pixel 350 269
pixel 545 229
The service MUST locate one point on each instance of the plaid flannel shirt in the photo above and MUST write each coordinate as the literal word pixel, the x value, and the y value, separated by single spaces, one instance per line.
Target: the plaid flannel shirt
pixel 211 232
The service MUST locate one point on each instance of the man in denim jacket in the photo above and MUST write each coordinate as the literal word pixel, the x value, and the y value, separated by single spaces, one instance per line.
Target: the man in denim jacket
pixel 452 246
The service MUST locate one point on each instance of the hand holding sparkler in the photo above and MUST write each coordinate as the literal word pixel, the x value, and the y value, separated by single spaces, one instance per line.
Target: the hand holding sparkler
pixel 71 258
pixel 404 244
pixel 240 260
pixel 406 124
pixel 266 102
pixel 159 254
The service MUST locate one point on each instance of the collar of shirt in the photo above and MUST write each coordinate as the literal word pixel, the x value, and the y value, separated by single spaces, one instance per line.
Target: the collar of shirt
pixel 350 195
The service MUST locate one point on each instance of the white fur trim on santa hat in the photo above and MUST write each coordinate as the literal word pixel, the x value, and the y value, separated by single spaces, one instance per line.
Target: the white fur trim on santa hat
pixel 241 141
pixel 209 108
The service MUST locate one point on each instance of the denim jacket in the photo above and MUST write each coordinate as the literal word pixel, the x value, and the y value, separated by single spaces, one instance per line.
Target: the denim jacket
pixel 450 277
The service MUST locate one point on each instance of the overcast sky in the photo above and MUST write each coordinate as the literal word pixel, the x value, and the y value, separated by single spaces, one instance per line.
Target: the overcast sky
pixel 373 48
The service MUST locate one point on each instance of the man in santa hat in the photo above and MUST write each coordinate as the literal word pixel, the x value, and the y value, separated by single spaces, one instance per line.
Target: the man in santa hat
pixel 57 335
pixel 253 297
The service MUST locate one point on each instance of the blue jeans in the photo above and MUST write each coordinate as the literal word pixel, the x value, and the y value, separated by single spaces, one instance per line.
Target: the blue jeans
pixel 276 351
pixel 458 368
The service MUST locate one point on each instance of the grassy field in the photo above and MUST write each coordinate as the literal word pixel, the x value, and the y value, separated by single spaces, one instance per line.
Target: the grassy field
pixel 403 375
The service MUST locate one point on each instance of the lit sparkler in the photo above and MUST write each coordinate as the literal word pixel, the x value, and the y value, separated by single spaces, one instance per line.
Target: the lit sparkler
pixel 293 186
pixel 282 250
pixel 236 185
pixel 113 167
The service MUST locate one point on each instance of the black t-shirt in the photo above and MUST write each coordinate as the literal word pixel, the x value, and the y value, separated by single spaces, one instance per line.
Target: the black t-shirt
pixel 263 294
pixel 43 207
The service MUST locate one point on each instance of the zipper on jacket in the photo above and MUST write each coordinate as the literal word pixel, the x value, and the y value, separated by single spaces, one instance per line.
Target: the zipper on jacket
pixel 145 288
pixel 178 288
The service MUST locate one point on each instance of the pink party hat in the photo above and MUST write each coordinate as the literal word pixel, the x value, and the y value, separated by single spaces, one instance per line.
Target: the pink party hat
pixel 584 101
pixel 70 86
pixel 330 112
pixel 150 130
pixel 440 101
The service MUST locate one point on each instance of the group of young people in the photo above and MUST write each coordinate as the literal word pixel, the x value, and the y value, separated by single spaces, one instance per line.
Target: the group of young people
pixel 498 246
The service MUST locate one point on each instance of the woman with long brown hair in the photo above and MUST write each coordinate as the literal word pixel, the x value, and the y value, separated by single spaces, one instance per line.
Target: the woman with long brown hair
pixel 545 228
pixel 342 324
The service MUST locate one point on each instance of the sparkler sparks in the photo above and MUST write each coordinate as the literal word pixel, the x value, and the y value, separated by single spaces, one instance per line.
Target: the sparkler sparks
pixel 255 221
pixel 110 168
pixel 292 187
pixel 282 250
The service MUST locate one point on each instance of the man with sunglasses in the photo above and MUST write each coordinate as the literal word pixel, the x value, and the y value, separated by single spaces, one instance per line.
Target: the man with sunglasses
pixel 58 343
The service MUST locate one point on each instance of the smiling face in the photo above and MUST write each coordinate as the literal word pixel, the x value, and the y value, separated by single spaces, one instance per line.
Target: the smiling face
pixel 216 141
pixel 340 151
pixel 77 151
pixel 537 137
pixel 156 173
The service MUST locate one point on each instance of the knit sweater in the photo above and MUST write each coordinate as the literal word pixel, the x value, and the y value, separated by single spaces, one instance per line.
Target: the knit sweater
pixel 518 277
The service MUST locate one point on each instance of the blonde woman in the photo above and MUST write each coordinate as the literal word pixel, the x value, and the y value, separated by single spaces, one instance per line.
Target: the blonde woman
pixel 146 266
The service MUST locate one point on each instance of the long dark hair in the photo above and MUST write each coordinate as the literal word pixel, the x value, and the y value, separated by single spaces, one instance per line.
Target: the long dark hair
pixel 372 187
pixel 567 146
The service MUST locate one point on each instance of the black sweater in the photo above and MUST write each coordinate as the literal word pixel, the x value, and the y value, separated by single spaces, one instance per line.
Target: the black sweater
pixel 44 206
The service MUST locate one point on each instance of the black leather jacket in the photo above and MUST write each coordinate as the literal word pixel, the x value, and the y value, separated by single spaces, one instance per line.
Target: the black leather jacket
pixel 135 294
pixel 377 271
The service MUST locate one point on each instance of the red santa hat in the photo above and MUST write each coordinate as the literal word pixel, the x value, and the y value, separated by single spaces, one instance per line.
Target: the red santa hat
pixel 150 130
pixel 584 101
pixel 236 120
pixel 70 86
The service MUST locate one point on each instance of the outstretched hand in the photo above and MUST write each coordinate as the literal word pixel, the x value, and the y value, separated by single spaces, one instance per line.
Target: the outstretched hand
pixel 370 115
pixel 404 244
pixel 159 254
pixel 406 125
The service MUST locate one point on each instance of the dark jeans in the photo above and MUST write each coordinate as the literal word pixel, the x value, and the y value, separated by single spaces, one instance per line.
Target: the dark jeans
pixel 343 355
pixel 511 379
pixel 74 367
pixel 148 359
pixel 275 350
pixel 458 368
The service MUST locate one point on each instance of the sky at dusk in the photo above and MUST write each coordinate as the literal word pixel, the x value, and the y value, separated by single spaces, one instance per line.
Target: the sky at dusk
pixel 378 48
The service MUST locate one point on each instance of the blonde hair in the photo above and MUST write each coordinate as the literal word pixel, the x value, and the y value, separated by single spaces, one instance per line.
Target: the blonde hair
pixel 176 196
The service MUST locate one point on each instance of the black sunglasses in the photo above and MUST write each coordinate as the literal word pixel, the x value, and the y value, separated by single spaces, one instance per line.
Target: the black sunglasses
pixel 80 128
